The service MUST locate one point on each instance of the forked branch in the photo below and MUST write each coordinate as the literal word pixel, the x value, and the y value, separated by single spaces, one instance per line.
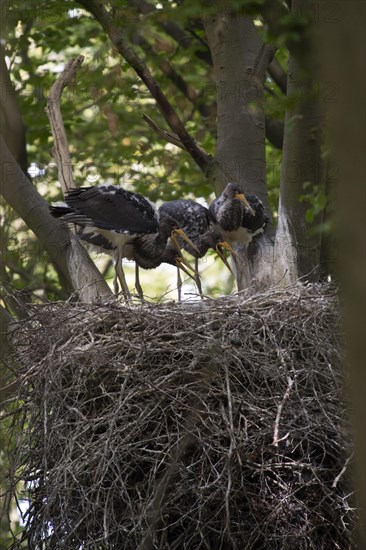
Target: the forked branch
pixel 53 110
pixel 168 136
pixel 119 41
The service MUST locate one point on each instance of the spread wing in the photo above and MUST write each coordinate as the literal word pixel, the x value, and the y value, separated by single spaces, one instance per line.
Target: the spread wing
pixel 111 208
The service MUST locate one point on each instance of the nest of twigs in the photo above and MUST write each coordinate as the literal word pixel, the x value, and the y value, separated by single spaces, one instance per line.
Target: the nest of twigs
pixel 210 425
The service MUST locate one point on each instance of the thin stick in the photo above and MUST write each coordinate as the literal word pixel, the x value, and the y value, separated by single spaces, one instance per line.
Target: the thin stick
pixel 336 479
pixel 279 412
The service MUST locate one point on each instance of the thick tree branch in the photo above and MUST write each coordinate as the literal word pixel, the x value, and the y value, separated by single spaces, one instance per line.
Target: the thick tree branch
pixel 264 58
pixel 169 137
pixel 53 110
pixel 62 246
pixel 171 73
pixel 11 120
pixel 278 75
pixel 302 148
pixel 275 130
pixel 172 29
pixel 119 41
pixel 275 14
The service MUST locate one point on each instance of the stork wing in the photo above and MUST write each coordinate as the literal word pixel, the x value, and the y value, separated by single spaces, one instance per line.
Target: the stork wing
pixel 257 222
pixel 112 208
pixel 191 216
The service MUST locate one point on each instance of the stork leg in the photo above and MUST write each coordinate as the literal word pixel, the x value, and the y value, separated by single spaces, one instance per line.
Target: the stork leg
pixel 179 285
pixel 138 286
pixel 197 278
pixel 121 275
pixel 115 281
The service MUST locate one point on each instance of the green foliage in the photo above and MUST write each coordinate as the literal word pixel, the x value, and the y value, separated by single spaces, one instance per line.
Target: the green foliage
pixel 103 114
pixel 273 159
pixel 319 202
pixel 102 111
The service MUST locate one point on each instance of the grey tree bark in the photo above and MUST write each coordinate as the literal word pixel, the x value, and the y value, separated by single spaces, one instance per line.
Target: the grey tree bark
pixel 240 62
pixel 329 249
pixel 297 252
pixel 11 122
pixel 341 43
pixel 62 246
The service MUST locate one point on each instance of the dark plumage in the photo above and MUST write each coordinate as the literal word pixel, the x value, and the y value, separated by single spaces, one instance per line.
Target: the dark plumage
pixel 254 224
pixel 110 217
pixel 121 223
pixel 98 241
pixel 111 211
pixel 146 251
pixel 236 216
pixel 194 219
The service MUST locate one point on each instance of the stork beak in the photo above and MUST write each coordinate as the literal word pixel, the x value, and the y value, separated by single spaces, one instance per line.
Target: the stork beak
pixel 182 234
pixel 185 237
pixel 221 255
pixel 226 245
pixel 243 200
pixel 181 263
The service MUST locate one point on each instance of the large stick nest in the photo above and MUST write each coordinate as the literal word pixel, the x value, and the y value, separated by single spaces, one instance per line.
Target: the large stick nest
pixel 210 425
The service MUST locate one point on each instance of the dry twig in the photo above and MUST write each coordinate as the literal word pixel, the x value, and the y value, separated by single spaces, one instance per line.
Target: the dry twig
pixel 61 149
pixel 152 426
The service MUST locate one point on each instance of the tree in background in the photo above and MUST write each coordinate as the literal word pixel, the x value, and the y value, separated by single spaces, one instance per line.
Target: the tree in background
pixel 239 96
pixel 217 72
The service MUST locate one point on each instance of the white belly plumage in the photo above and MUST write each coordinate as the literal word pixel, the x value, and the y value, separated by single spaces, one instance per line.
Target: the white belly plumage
pixel 116 238
pixel 241 235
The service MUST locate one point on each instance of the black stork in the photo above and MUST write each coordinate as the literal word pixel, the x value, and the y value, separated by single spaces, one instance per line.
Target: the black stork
pixel 147 253
pixel 194 219
pixel 113 218
pixel 237 216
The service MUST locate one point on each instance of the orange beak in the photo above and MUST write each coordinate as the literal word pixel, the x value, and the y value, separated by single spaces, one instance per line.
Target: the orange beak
pixel 220 254
pixel 241 197
pixel 182 234
pixel 183 265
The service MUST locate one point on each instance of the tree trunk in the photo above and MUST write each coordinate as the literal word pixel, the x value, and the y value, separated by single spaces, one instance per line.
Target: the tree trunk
pixel 298 244
pixel 342 51
pixel 62 246
pixel 240 62
pixel 329 250
pixel 11 121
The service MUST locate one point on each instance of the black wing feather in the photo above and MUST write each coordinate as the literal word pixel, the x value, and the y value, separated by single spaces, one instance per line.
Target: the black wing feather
pixel 191 216
pixel 250 222
pixel 96 240
pixel 112 208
